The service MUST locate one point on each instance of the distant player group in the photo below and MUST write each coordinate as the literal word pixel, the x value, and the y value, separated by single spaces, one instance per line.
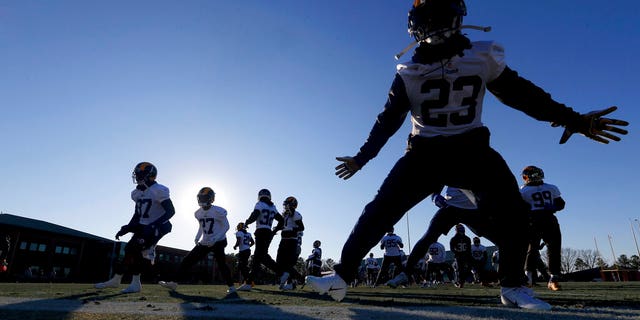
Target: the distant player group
pixel 442 88
pixel 150 222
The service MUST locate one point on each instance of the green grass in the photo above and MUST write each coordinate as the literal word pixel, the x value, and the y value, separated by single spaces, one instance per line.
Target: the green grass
pixel 575 295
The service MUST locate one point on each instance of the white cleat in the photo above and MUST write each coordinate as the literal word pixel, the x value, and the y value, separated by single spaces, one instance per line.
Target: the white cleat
pixel 245 287
pixel 283 279
pixel 112 283
pixel 332 284
pixel 168 284
pixel 133 288
pixel 399 280
pixel 520 297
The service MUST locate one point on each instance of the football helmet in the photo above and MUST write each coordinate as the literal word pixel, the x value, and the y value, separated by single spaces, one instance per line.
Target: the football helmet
pixel 316 244
pixel 460 227
pixel 264 193
pixel 206 196
pixel 476 241
pixel 144 172
pixel 433 21
pixel 290 204
pixel 532 174
pixel 240 226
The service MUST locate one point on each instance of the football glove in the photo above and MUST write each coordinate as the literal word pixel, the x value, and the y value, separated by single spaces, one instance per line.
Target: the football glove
pixel 347 168
pixel 123 230
pixel 439 200
pixel 593 126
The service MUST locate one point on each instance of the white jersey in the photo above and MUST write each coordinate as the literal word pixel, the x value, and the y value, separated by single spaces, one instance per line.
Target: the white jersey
pixel 148 202
pixel 391 243
pixel 290 224
pixel 447 100
pixel 478 252
pixel 371 263
pixel 540 197
pixel 436 253
pixel 213 225
pixel 245 240
pixel 460 198
pixel 267 214
pixel 316 257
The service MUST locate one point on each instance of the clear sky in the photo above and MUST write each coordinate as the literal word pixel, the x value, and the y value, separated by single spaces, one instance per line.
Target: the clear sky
pixel 244 95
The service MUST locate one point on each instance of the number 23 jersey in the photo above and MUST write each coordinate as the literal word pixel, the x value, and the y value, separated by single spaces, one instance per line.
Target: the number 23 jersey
pixel 446 97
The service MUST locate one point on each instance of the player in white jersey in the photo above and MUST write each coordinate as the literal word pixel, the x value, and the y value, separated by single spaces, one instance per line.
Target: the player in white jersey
pixel 373 268
pixel 391 243
pixel 288 253
pixel 442 86
pixel 211 237
pixel 479 259
pixel 263 215
pixel 545 200
pixel 437 264
pixel 244 242
pixel 149 223
pixel 314 260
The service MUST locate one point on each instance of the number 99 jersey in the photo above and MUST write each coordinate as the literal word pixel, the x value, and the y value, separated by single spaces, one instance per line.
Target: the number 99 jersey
pixel 446 97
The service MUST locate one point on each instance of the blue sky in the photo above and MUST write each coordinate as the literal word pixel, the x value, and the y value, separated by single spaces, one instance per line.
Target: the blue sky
pixel 244 95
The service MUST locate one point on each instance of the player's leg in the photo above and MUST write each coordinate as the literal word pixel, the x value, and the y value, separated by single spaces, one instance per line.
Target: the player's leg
pixel 553 238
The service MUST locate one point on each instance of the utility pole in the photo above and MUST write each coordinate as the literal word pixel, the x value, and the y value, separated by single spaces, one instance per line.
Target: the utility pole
pixel 408 234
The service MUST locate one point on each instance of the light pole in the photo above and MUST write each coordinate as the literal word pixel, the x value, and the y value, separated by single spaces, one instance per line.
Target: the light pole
pixel 634 237
pixel 612 252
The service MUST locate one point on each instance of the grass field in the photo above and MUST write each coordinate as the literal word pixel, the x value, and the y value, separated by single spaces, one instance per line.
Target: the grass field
pixel 578 300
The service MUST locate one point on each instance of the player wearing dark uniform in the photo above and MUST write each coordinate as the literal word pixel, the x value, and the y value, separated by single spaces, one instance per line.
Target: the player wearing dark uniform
pixel 460 245
pixel 442 86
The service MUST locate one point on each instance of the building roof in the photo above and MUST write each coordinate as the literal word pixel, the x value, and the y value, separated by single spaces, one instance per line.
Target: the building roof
pixel 28 223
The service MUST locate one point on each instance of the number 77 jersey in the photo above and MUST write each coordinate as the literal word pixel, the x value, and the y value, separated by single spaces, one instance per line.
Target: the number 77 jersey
pixel 446 97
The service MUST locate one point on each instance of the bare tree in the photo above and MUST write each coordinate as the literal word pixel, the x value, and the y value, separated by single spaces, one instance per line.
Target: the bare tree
pixel 589 257
pixel 568 260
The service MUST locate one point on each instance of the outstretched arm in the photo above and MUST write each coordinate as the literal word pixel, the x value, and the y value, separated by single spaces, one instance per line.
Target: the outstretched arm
pixel 521 94
pixel 387 123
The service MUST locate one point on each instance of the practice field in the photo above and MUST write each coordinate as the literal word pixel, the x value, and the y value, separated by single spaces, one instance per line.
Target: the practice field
pixel 578 300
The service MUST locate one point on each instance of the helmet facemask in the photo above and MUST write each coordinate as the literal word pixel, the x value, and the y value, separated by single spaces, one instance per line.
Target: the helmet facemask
pixel 144 174
pixel 206 196
pixel 434 21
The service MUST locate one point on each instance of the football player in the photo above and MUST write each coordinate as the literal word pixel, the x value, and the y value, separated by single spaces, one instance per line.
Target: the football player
pixel 460 245
pixel 211 237
pixel 150 222
pixel 436 264
pixel 288 253
pixel 545 200
pixel 244 242
pixel 314 260
pixel 442 86
pixel 263 214
pixel 479 261
pixel 391 243
pixel 372 266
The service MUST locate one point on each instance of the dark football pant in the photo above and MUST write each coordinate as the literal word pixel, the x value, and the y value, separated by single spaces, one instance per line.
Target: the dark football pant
pixel 261 255
pixel 199 252
pixel 464 161
pixel 383 274
pixel 243 263
pixel 287 257
pixel 463 268
pixel 547 229
pixel 144 237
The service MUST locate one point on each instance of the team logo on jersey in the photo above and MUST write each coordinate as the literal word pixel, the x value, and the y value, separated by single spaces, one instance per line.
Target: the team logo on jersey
pixel 450 68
